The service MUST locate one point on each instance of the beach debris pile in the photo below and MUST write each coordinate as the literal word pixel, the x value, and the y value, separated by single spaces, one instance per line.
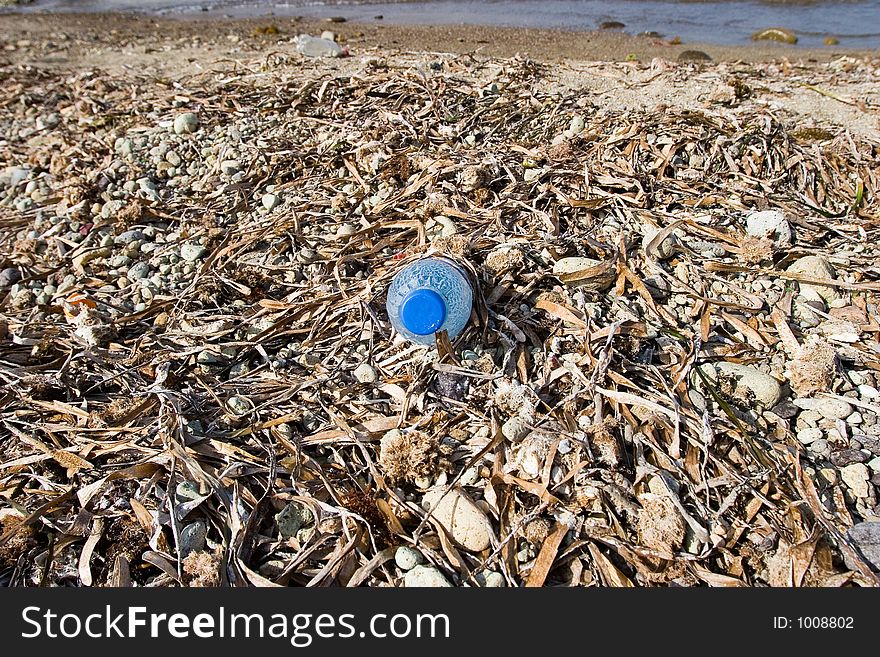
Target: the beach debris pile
pixel 670 376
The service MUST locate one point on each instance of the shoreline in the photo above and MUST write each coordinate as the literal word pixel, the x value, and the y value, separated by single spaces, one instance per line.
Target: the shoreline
pixel 538 44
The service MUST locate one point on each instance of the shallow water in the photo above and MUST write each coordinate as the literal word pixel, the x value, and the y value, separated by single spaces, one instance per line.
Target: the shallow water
pixel 856 23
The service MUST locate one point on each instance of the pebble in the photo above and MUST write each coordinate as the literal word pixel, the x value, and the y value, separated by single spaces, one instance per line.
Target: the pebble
pixel 270 201
pixel 425 576
pixel 491 579
pixel 809 435
pixel 238 405
pixel 128 237
pixel 111 208
pixel 820 446
pixel 815 267
pixel 292 518
pixel 407 558
pixel 769 223
pixel 856 478
pixel 186 123
pixel 9 276
pixel 866 537
pixel 230 167
pixel 464 520
pixel 765 389
pixel 834 409
pixel 11 176
pixel 868 392
pixel 785 410
pixel 138 271
pixel 366 373
pixel 854 420
pixel 845 457
pixel 192 252
pixel 192 538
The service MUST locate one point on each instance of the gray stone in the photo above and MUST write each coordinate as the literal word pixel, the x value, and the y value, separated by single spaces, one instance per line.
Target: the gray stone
pixel 292 518
pixel 407 558
pixel 229 167
pixel 866 537
pixel 138 271
pixel 844 457
pixel 111 208
pixel 192 252
pixel 425 576
pixel 186 123
pixel 128 237
pixel 490 579
pixel 9 276
pixel 192 538
pixel 785 410
pixel 270 201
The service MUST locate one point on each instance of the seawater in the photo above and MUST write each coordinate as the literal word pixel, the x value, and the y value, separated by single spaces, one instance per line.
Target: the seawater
pixel 856 23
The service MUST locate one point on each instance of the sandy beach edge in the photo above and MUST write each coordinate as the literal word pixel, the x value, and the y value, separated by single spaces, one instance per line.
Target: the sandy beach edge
pixel 538 44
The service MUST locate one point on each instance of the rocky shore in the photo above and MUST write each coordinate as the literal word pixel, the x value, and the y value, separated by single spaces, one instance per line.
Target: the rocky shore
pixel 670 377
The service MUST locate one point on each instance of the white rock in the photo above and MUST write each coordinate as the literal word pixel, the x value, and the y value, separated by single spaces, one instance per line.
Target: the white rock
pixel 815 267
pixel 809 435
pixel 868 392
pixel 769 223
pixel 186 123
pixel 270 201
pixel 765 389
pixel 491 579
pixel 425 576
pixel 464 520
pixel 407 558
pixel 856 477
pixel 834 409
pixel 874 464
pixel 366 373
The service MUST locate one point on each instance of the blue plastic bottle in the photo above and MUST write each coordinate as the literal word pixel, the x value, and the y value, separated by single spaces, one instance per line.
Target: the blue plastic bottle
pixel 429 295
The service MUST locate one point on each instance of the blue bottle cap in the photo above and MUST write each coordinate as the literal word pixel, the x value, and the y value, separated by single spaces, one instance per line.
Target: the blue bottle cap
pixel 423 311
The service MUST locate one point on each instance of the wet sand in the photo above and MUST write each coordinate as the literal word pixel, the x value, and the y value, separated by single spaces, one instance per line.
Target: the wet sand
pixel 72 38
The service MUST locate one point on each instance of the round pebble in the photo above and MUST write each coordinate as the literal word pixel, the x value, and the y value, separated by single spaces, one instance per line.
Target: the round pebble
pixel 425 576
pixel 809 435
pixel 366 373
pixel 834 409
pixel 407 558
pixel 186 123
